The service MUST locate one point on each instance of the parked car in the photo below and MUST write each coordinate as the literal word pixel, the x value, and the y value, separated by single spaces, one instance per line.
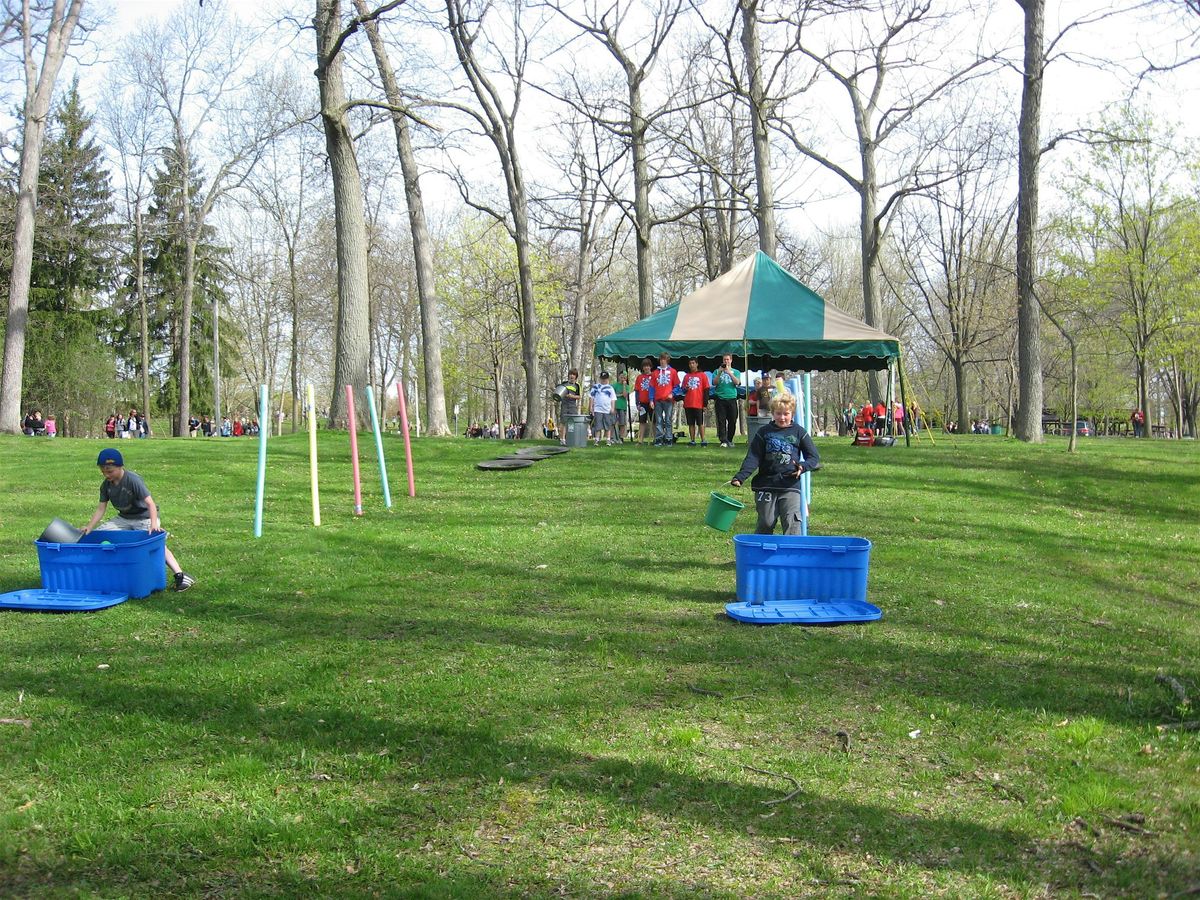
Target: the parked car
pixel 1085 428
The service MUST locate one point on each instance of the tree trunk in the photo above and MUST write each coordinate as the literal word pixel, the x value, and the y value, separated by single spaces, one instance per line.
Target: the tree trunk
pixel 216 359
pixel 1028 425
pixel 529 319
pixel 352 337
pixel 431 328
pixel 185 308
pixel 869 249
pixel 39 90
pixel 294 287
pixel 759 114
pixel 143 314
pixel 960 391
pixel 641 202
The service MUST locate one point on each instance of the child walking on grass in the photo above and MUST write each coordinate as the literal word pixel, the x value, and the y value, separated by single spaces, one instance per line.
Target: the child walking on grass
pixel 781 451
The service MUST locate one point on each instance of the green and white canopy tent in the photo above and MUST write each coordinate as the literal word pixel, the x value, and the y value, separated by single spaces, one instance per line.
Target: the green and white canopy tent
pixel 762 314
pixel 768 319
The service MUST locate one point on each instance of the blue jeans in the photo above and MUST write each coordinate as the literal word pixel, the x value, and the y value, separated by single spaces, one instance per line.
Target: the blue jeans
pixel 664 411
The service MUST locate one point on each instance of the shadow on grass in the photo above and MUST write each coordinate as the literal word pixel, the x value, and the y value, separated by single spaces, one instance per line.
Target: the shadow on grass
pixel 456 762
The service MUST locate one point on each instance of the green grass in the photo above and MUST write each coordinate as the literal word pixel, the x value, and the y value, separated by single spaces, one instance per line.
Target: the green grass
pixel 523 683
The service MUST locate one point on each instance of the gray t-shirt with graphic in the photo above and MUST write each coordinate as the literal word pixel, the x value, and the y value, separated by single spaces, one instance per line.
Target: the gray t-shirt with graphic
pixel 128 495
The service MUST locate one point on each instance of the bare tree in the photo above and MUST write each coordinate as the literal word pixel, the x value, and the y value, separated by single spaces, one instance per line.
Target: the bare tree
pixel 128 118
pixel 1028 424
pixel 604 24
pixel 496 117
pixel 890 51
pixel 192 65
pixel 955 251
pixel 53 35
pixel 353 329
pixel 760 114
pixel 283 187
pixel 431 332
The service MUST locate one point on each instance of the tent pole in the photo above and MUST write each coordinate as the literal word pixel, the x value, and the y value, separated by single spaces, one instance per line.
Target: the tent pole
pixel 889 425
pixel 806 497
pixel 743 408
pixel 903 401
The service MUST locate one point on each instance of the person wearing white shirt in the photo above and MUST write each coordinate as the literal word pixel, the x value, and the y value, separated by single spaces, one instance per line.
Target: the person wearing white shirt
pixel 604 404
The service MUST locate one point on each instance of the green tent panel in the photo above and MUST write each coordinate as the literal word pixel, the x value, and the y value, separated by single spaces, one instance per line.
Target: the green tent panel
pixel 761 312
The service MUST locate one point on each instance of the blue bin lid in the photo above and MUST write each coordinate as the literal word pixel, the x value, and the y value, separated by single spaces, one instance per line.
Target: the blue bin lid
pixel 803 612
pixel 42 600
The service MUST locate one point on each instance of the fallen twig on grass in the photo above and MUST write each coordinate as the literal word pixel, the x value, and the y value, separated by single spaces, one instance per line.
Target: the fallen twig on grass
pixel 1081 822
pixel 705 692
pixel 784 799
pixel 1175 685
pixel 27 723
pixel 1127 826
pixel 1193 725
pixel 474 857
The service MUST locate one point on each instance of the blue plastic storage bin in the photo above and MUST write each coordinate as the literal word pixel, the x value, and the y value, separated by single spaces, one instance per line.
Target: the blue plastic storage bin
pixel 799 567
pixel 132 562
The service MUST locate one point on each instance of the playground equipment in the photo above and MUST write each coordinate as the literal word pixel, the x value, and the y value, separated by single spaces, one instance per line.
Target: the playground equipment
pixel 310 412
pixel 412 490
pixel 262 459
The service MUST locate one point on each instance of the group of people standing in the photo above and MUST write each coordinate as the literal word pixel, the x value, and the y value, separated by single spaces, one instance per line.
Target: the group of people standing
pixel 34 425
pixel 873 418
pixel 134 425
pixel 654 394
pixel 241 426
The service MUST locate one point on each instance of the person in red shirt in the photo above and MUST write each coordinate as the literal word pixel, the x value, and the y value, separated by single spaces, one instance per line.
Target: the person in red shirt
pixel 643 388
pixel 666 380
pixel 696 385
pixel 880 418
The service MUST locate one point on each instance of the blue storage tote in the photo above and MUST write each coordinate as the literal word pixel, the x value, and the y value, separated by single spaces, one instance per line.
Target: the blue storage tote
pixel 801 567
pixel 131 562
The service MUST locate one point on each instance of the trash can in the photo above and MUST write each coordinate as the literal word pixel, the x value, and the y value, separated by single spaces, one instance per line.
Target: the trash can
pixel 997 429
pixel 577 431
pixel 753 423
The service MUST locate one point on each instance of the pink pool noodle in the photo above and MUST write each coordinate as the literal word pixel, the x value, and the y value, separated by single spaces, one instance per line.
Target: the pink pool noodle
pixel 354 449
pixel 412 488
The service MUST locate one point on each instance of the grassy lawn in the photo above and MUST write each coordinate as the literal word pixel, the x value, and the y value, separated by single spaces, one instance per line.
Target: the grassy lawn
pixel 522 683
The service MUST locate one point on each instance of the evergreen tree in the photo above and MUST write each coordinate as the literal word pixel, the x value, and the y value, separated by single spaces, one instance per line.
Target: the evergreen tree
pixel 70 276
pixel 164 274
pixel 71 258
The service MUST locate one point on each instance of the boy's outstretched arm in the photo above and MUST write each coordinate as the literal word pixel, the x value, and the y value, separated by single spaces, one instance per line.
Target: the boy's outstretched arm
pixel 96 517
pixel 749 464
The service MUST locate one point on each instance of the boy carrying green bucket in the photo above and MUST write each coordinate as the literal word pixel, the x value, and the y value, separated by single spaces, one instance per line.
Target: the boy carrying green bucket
pixel 781 451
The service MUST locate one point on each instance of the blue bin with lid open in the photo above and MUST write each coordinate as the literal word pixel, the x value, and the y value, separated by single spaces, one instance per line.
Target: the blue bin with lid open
pixel 110 562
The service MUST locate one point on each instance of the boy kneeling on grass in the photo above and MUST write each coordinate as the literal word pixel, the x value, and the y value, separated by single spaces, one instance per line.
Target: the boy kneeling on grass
pixel 781 451
pixel 135 507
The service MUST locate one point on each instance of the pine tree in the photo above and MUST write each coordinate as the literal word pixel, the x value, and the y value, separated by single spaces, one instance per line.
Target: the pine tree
pixel 164 273
pixel 71 259
pixel 70 276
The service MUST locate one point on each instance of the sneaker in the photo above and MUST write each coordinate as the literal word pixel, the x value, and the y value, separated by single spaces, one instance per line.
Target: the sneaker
pixel 704 443
pixel 562 442
pixel 183 581
pixel 691 443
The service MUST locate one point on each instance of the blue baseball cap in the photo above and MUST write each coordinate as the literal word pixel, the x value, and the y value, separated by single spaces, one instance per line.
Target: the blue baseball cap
pixel 110 457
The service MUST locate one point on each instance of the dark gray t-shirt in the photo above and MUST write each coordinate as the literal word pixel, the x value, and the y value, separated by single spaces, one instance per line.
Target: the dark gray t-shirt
pixel 128 495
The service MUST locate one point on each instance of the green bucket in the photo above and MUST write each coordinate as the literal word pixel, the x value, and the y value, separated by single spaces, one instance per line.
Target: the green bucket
pixel 722 511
